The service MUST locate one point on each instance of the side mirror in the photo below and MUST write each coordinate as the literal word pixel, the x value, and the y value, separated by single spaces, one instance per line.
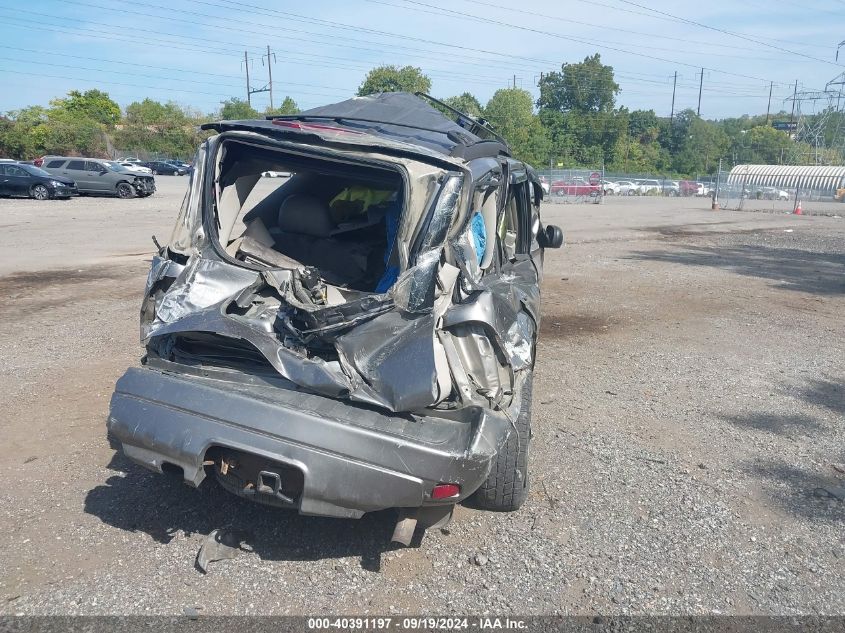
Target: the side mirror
pixel 550 237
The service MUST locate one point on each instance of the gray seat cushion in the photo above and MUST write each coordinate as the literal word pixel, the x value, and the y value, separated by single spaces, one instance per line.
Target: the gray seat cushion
pixel 305 215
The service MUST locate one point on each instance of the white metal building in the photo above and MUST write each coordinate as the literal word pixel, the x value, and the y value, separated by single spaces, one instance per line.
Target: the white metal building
pixel 807 177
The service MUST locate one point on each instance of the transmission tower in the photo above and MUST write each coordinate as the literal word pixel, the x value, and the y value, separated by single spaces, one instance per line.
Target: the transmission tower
pixel 821 120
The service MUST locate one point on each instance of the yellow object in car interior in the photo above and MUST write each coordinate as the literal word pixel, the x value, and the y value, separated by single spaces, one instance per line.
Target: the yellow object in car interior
pixel 355 200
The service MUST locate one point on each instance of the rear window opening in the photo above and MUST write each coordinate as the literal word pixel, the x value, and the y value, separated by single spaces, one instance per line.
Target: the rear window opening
pixel 282 210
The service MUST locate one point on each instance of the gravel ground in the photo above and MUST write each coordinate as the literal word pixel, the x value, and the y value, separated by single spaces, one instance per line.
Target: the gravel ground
pixel 688 421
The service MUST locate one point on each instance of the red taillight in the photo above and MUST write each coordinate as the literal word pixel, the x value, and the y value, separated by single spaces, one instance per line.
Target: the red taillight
pixel 445 491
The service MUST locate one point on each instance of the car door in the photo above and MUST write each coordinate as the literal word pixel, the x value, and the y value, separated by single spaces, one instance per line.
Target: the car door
pixel 99 175
pixel 18 180
pixel 4 181
pixel 76 170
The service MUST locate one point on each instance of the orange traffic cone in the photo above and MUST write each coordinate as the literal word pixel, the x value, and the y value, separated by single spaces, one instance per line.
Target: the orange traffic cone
pixel 798 210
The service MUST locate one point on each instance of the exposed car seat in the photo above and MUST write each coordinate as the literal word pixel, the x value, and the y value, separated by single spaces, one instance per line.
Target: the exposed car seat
pixel 304 233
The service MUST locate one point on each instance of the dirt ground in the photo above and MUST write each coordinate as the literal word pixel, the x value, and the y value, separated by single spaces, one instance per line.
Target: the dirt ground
pixel 688 435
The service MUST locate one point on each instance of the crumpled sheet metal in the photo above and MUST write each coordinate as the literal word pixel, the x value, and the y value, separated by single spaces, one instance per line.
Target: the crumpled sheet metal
pixel 381 349
pixel 203 283
pixel 314 373
pixel 509 307
pixel 374 366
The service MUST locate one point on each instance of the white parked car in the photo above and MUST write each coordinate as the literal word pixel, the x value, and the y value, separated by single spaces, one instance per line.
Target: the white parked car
pixel 275 174
pixel 627 188
pixel 544 184
pixel 650 186
pixel 671 188
pixel 133 167
pixel 610 188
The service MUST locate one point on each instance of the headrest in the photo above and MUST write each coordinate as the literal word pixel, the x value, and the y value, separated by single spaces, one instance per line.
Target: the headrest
pixel 306 215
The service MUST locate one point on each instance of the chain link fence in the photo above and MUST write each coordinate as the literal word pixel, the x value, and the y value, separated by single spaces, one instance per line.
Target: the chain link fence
pixel 593 185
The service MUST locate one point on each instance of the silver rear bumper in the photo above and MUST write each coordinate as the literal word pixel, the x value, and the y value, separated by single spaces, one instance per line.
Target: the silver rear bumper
pixel 353 459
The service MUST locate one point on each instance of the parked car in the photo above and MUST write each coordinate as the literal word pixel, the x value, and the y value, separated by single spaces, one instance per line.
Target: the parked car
pixel 304 359
pixel 179 163
pixel 275 174
pixel 628 188
pixel 610 188
pixel 574 187
pixel 93 175
pixel 671 188
pixel 649 187
pixel 688 188
pixel 765 193
pixel 137 168
pixel 705 188
pixel 159 167
pixel 544 184
pixel 20 179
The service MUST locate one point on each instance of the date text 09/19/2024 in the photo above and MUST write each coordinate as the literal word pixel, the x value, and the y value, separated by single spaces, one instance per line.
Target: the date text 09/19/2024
pixel 416 623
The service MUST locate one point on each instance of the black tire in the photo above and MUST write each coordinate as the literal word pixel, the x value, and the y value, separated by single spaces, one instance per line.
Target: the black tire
pixel 155 173
pixel 125 191
pixel 506 487
pixel 40 192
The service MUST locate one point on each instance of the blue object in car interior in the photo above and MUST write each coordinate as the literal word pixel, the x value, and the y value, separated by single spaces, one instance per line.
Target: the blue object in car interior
pixel 479 233
pixel 391 273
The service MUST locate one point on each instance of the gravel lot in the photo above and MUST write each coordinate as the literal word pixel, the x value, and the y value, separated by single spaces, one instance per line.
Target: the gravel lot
pixel 688 427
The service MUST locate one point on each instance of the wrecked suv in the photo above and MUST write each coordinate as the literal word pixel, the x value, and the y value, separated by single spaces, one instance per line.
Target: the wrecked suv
pixel 359 337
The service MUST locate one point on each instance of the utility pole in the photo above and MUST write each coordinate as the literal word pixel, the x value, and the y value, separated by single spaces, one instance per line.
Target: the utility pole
pixel 794 96
pixel 270 73
pixel 769 107
pixel 248 91
pixel 700 86
pixel 672 114
pixel 514 81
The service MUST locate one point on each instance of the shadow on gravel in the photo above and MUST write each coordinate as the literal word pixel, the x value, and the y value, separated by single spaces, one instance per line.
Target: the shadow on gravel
pixel 778 424
pixel 800 491
pixel 792 269
pixel 827 394
pixel 143 501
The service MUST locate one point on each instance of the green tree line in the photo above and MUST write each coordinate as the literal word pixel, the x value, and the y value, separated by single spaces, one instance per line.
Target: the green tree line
pixel 575 122
pixel 90 123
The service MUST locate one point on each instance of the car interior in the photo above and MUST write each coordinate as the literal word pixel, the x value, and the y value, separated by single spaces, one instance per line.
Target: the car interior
pixel 341 218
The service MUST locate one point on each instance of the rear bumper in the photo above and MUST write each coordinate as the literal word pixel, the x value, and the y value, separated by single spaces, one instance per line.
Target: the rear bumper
pixel 353 459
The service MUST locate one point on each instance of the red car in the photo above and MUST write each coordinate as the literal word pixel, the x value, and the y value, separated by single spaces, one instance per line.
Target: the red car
pixel 688 188
pixel 574 187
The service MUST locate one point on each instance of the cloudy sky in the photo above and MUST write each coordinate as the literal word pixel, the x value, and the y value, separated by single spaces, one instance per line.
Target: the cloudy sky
pixel 192 51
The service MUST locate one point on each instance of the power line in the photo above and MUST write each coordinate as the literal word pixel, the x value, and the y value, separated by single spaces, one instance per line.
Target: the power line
pixel 605 27
pixel 575 39
pixel 731 33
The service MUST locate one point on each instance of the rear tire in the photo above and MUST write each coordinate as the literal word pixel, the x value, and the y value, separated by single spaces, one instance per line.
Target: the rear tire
pixel 506 487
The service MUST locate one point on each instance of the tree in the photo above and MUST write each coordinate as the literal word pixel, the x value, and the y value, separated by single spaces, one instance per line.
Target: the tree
pixel 466 103
pixel 584 87
pixel 761 144
pixel 511 113
pixel 235 109
pixel 163 128
pixel 288 107
pixel 91 104
pixel 394 79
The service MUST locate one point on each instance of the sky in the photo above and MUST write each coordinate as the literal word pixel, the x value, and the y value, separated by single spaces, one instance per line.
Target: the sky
pixel 192 51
